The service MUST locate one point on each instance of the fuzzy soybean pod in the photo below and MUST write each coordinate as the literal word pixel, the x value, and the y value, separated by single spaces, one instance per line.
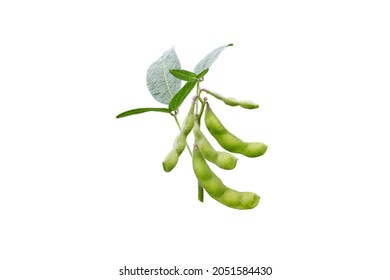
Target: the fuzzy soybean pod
pixel 234 102
pixel 229 141
pixel 180 142
pixel 221 159
pixel 216 188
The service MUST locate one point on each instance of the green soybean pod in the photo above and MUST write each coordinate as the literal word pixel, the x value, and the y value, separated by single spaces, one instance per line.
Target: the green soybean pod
pixel 234 102
pixel 180 142
pixel 216 188
pixel 247 104
pixel 172 158
pixel 188 123
pixel 221 159
pixel 228 140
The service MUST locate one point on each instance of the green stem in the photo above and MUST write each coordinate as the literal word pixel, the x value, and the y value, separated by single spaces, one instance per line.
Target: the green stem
pixel 216 95
pixel 200 188
pixel 201 111
pixel 200 99
pixel 200 192
pixel 198 90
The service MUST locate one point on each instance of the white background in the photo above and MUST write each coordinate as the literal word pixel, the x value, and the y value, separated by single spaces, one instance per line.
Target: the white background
pixel 83 194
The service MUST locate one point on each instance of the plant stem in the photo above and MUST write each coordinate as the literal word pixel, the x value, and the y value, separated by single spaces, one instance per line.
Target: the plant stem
pixel 201 111
pixel 216 95
pixel 200 192
pixel 200 187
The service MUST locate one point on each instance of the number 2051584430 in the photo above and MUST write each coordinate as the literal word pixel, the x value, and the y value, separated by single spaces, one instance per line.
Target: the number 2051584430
pixel 242 270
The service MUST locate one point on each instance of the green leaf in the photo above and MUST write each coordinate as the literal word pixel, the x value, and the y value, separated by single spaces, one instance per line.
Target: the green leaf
pixel 209 59
pixel 161 84
pixel 181 95
pixel 203 73
pixel 183 74
pixel 142 110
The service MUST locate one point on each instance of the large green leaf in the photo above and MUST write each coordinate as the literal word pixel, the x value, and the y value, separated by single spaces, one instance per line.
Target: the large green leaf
pixel 142 110
pixel 161 84
pixel 209 59
pixel 181 95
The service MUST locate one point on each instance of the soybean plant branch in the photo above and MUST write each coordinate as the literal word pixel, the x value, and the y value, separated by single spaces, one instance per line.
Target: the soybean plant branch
pixel 160 86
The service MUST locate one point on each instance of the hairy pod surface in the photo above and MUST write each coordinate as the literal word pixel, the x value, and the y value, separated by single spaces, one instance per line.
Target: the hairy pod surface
pixel 189 121
pixel 247 104
pixel 216 188
pixel 223 160
pixel 234 102
pixel 180 142
pixel 170 161
pixel 228 140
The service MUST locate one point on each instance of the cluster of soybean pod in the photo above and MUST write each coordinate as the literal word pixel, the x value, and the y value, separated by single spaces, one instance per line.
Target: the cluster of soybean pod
pixel 203 152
